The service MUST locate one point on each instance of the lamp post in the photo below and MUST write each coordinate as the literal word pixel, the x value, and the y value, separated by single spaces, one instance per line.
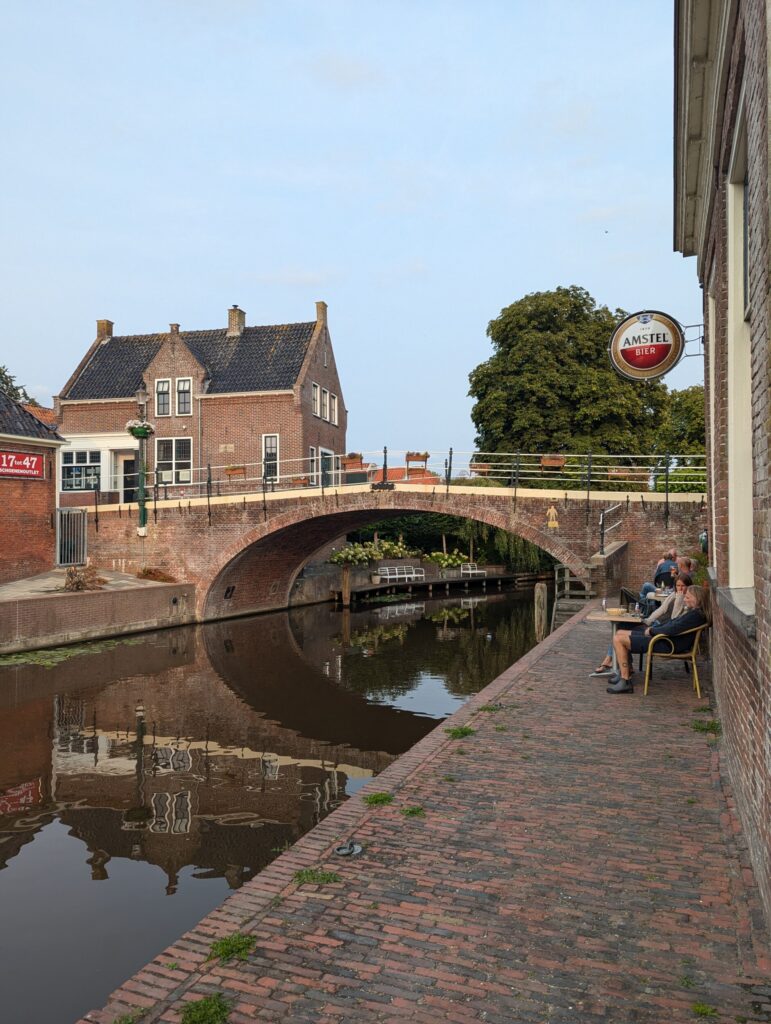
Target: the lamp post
pixel 142 397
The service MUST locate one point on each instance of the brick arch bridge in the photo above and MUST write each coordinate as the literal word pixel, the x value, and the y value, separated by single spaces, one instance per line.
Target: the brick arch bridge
pixel 257 544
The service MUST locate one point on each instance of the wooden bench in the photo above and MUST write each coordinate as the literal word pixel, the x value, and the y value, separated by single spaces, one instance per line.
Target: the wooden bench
pixel 400 573
pixel 471 569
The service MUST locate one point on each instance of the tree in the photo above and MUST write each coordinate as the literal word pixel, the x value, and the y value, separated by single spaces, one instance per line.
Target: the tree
pixel 9 387
pixel 549 385
pixel 682 431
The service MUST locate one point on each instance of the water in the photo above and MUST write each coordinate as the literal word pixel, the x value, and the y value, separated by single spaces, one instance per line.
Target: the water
pixel 143 780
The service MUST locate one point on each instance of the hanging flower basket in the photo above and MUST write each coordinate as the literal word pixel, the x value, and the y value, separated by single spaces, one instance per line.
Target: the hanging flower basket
pixel 140 428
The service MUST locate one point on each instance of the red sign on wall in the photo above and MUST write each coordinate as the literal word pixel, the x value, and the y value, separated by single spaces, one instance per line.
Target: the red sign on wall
pixel 21 464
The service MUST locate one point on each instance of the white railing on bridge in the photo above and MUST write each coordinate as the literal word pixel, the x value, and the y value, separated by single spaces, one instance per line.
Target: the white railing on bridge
pixel 638 474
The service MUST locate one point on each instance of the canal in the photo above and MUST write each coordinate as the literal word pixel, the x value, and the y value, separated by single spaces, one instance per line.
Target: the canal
pixel 143 779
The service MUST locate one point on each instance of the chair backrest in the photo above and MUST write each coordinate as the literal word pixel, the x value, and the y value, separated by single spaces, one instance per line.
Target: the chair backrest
pixel 693 649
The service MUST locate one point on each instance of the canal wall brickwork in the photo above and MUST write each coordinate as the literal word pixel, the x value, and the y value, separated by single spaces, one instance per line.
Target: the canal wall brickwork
pixel 48 620
pixel 575 857
pixel 245 554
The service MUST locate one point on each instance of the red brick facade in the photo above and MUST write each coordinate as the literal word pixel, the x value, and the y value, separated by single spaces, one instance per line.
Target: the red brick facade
pixel 719 152
pixel 225 429
pixel 27 524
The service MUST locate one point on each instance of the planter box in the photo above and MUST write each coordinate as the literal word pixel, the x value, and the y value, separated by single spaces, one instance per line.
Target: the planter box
pixel 552 461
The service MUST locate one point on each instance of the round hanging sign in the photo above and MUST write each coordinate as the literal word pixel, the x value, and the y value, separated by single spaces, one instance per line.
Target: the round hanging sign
pixel 646 345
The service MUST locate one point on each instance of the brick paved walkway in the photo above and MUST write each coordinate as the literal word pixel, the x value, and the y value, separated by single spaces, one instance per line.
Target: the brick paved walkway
pixel 578 860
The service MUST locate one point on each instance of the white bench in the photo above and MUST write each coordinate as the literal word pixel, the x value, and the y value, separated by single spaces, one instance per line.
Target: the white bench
pixel 471 569
pixel 400 573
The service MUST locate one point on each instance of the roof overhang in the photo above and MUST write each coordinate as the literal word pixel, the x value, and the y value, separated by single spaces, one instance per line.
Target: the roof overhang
pixel 24 439
pixel 702 34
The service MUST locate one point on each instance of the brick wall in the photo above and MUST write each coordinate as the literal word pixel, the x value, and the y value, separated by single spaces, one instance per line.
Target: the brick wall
pixel 741 663
pixel 27 525
pixel 66 618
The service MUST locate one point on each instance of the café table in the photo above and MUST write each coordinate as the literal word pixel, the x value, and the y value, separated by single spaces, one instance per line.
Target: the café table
pixel 615 620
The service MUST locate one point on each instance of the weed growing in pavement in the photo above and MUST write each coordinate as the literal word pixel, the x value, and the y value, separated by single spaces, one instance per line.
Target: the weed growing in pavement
pixel 374 906
pixel 209 1010
pixel 687 981
pixel 173 966
pixel 233 947
pixel 286 845
pixel 378 799
pixel 713 726
pixel 413 811
pixel 491 707
pixel 702 711
pixel 501 728
pixel 525 757
pixel 131 1018
pixel 458 732
pixel 449 778
pixel 276 901
pixel 703 1010
pixel 461 751
pixel 691 800
pixel 315 876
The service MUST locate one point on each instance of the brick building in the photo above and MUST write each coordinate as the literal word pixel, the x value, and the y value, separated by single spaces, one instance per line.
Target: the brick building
pixel 249 402
pixel 722 218
pixel 27 492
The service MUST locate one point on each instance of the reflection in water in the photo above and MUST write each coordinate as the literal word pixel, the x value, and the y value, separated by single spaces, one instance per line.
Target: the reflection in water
pixel 202 753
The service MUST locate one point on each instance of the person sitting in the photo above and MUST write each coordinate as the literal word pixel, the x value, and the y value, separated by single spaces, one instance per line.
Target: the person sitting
pixel 697 613
pixel 662 577
pixel 669 609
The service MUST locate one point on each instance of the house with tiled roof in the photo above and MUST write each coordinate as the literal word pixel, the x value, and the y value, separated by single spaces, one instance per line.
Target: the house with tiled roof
pixel 236 406
pixel 27 492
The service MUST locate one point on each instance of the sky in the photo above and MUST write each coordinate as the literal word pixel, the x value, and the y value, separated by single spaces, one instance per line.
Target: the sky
pixel 417 164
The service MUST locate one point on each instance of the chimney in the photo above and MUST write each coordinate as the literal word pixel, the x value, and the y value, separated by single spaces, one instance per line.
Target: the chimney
pixel 321 313
pixel 236 322
pixel 174 331
pixel 103 330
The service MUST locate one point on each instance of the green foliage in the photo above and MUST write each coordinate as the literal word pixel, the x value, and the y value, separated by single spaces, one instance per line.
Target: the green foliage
pixel 209 1010
pixel 682 430
pixel 9 387
pixel 683 479
pixel 130 1018
pixel 703 1010
pixel 712 726
pixel 362 554
pixel 549 385
pixel 378 799
pixel 233 947
pixel 450 560
pixel 457 732
pixel 413 811
pixel 315 876
pixel 52 656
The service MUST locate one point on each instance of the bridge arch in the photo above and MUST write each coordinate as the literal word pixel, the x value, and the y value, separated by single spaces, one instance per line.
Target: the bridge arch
pixel 257 569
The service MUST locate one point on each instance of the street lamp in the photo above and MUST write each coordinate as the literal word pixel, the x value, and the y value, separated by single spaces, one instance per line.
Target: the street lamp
pixel 142 397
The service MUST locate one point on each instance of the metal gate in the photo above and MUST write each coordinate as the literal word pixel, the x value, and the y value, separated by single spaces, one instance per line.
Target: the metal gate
pixel 71 536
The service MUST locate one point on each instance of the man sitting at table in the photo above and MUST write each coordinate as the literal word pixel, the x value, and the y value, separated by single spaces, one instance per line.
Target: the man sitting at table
pixel 637 641
pixel 669 609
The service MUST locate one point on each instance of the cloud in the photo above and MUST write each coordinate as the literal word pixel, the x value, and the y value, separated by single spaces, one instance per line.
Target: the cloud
pixel 346 74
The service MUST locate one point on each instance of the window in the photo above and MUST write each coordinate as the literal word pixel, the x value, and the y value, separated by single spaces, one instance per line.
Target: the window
pixel 333 409
pixel 315 399
pixel 184 396
pixel 312 464
pixel 174 460
pixel 324 404
pixel 81 471
pixel 270 456
pixel 163 398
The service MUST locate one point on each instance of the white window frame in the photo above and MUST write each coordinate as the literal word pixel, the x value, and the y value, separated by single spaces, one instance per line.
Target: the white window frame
pixel 179 381
pixel 278 455
pixel 86 466
pixel 333 408
pixel 167 381
pixel 313 460
pixel 174 471
pixel 315 399
pixel 325 404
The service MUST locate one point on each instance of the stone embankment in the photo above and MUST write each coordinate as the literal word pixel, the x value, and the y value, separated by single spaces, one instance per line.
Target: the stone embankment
pixel 575 858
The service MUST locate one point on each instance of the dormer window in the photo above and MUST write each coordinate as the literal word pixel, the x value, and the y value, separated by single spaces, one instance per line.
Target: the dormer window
pixel 163 398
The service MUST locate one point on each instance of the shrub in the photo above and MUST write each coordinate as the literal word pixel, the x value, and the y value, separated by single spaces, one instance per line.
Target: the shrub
pixel 82 578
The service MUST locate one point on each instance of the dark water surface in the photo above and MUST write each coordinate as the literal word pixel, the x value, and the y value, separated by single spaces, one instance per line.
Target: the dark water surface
pixel 141 781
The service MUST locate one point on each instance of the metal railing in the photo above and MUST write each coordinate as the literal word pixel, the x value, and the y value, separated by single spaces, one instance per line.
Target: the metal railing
pixel 71 536
pixel 585 472
pixel 606 529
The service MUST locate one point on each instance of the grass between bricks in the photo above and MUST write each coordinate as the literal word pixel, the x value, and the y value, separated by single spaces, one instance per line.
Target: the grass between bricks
pixel 209 1010
pixel 713 726
pixel 458 732
pixel 233 947
pixel 315 876
pixel 413 812
pixel 378 799
pixel 703 1010
pixel 130 1018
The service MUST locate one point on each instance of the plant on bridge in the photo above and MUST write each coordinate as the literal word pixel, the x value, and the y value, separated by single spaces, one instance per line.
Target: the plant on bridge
pixel 372 551
pixel 214 1009
pixel 447 559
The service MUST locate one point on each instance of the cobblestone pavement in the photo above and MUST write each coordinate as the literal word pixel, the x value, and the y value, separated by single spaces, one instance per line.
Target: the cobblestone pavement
pixel 576 859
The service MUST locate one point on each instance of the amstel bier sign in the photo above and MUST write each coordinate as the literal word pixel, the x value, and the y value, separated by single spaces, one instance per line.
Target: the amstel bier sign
pixel 646 345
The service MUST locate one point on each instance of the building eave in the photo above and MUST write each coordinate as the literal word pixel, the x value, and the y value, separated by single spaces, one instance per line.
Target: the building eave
pixel 23 439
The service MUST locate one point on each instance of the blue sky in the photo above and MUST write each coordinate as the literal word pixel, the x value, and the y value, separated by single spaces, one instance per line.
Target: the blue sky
pixel 419 165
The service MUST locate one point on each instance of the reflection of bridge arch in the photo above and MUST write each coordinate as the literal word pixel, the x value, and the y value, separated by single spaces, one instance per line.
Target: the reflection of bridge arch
pixel 263 563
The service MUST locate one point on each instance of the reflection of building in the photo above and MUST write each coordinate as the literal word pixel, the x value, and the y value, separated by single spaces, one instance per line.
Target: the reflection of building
pixel 722 217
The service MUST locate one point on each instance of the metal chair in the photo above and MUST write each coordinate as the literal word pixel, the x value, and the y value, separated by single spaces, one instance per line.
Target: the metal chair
pixel 687 656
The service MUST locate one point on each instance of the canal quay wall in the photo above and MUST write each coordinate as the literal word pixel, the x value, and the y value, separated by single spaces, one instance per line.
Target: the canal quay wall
pixel 51 619
pixel 575 857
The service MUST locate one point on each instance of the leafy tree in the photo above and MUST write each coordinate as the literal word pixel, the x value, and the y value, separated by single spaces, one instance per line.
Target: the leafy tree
pixel 15 391
pixel 549 385
pixel 682 431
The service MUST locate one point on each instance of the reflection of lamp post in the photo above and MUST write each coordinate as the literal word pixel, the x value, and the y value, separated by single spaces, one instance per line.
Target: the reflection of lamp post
pixel 141 397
